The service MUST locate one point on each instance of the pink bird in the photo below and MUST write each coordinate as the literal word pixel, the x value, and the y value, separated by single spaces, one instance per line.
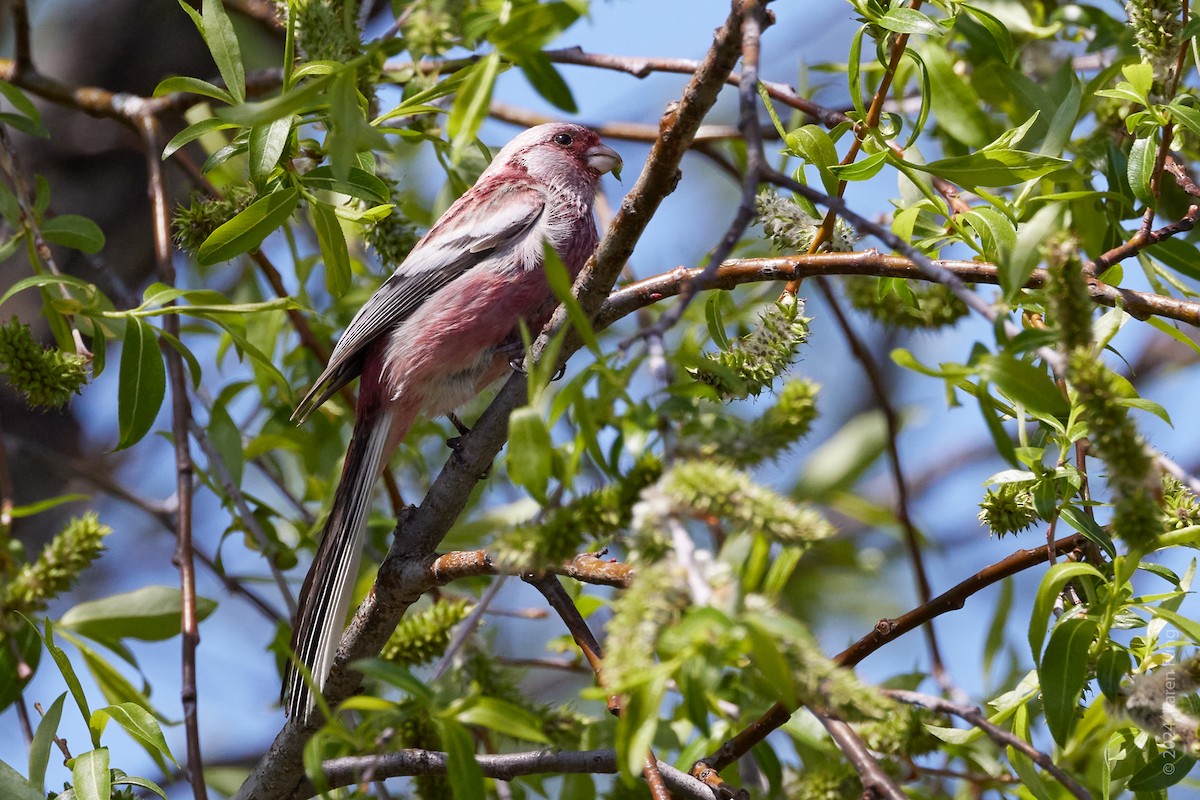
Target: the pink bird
pixel 442 328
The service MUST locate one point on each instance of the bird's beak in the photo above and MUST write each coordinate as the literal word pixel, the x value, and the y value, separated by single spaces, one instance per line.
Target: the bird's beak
pixel 603 159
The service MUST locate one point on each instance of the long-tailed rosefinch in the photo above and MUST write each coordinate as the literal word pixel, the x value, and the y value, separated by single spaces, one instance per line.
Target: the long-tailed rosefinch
pixel 435 334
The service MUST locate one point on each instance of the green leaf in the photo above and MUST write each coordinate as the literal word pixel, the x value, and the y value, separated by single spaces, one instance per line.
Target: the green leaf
pixel 333 249
pixel 995 29
pixel 12 785
pixel 472 102
pixel 359 183
pixel 1028 250
pixel 530 456
pixel 531 26
pixel 150 614
pixel 998 167
pixel 139 724
pixel 33 509
pixel 143 383
pixel 149 785
pixel 1163 771
pixel 92 780
pixel 1063 673
pixel 466 778
pixel 43 741
pixel 303 98
pixel 72 230
pixel 23 649
pixel 544 78
pixel 267 143
pixel 995 231
pixel 247 230
pixel 223 44
pixel 394 675
pixel 1024 383
pixel 561 284
pixel 1088 527
pixel 815 146
pixel 862 170
pixel 1177 254
pixel 503 717
pixel 956 105
pixel 842 458
pixel 1186 626
pixel 1111 668
pixel 1052 585
pixel 193 132
pixel 1141 168
pixel 907 20
pixel 184 83
pixel 27 119
pixel 226 439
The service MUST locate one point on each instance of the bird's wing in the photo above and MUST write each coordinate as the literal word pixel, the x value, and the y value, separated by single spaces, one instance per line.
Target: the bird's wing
pixel 466 235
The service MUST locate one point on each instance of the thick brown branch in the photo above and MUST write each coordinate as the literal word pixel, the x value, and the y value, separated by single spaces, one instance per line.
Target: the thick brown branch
pixel 349 771
pixel 736 272
pixel 877 784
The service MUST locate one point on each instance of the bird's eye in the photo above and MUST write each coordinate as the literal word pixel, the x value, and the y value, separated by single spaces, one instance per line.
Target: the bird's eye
pixel 563 139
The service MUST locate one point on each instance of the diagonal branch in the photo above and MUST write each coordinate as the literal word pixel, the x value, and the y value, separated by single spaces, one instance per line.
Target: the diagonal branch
pixel 997 734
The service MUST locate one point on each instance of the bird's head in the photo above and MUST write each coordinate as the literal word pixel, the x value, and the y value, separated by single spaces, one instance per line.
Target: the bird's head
pixel 560 150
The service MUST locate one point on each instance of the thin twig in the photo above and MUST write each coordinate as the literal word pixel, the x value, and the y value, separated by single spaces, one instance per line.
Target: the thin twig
pixel 181 416
pixel 754 21
pixel 997 734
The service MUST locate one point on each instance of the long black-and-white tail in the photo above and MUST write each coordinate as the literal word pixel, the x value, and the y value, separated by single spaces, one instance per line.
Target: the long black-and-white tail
pixel 325 596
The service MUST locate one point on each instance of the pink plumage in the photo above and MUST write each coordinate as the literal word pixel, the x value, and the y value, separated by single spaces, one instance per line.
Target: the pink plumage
pixel 438 332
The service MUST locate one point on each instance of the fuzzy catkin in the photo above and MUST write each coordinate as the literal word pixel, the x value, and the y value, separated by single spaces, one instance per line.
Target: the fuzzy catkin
pixel 46 377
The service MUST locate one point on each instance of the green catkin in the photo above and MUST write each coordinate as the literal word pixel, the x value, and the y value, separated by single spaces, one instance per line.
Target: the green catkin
pixel 424 636
pixel 758 358
pixel 826 779
pixel 563 531
pixel 716 490
pixel 416 730
pixel 791 229
pixel 1067 297
pixel 1180 507
pixel 45 377
pixel 327 30
pixel 746 443
pixel 61 562
pixel 1115 439
pixel 195 222
pixel 933 305
pixel 1157 25
pixel 1113 435
pixel 1008 508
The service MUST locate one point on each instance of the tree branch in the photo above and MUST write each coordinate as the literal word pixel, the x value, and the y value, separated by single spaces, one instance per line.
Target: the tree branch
pixel 997 734
pixel 181 416
pixel 736 272
pixel 348 771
